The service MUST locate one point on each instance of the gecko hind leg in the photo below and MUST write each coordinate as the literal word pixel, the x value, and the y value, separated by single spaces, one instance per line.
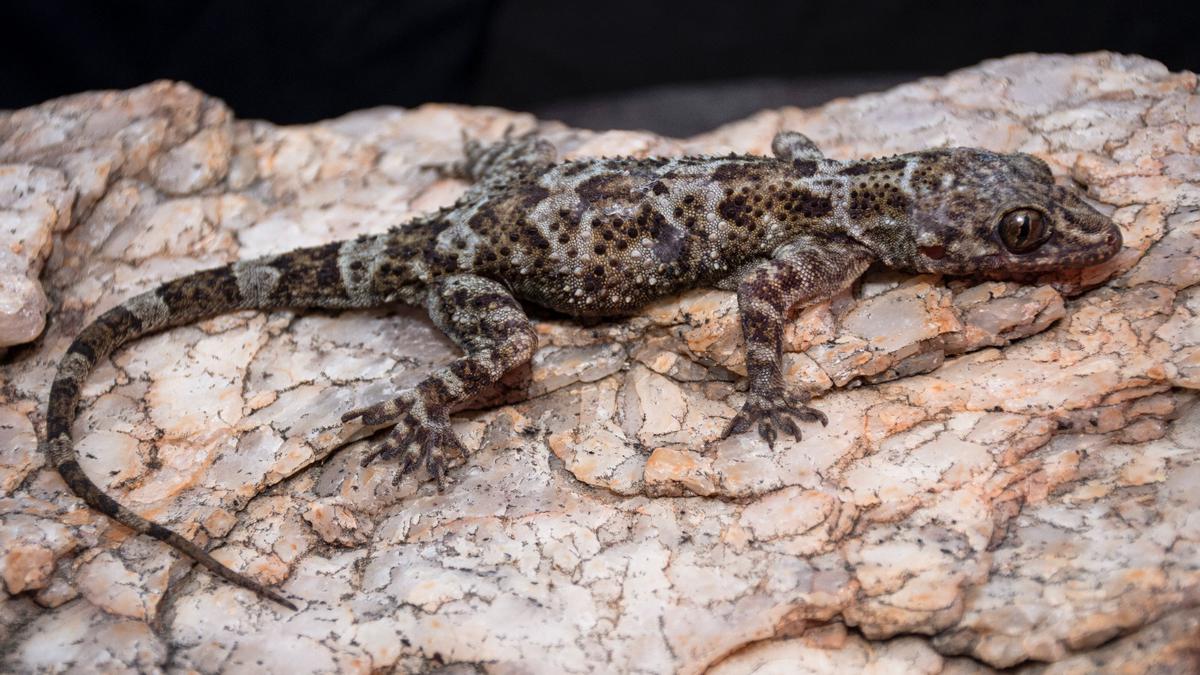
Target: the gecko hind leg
pixel 512 153
pixel 484 319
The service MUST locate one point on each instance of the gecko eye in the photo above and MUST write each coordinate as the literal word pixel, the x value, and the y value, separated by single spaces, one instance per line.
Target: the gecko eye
pixel 1023 230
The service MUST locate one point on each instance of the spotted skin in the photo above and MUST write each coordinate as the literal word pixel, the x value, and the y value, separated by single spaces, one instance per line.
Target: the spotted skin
pixel 601 238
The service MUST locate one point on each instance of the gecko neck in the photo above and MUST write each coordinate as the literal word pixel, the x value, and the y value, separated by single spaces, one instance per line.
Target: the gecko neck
pixel 874 203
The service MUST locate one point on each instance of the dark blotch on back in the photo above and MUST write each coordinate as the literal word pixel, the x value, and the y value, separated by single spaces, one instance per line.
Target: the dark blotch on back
pixel 735 209
pixel 605 187
pixel 814 205
pixel 734 171
pixel 532 195
pixel 805 167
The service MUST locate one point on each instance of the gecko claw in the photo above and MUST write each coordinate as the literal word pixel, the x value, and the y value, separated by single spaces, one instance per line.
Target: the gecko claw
pixel 774 413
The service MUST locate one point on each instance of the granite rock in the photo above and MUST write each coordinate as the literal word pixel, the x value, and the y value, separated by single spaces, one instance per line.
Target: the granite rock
pixel 1008 478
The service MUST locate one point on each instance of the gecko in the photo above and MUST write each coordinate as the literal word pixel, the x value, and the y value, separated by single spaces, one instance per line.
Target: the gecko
pixel 601 237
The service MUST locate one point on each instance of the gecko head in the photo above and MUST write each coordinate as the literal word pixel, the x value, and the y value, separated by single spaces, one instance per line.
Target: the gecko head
pixel 980 212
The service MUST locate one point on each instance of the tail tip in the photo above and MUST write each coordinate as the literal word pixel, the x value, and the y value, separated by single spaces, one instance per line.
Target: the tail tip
pixel 278 597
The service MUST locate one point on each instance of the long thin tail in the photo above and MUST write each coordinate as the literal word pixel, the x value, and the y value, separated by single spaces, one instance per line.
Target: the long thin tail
pixel 324 276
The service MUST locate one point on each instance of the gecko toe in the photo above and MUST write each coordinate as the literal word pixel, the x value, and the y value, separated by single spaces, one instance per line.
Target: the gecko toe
pixel 372 454
pixel 436 467
pixel 739 424
pixel 382 412
pixel 767 433
pixel 411 459
pixel 807 414
pixel 786 423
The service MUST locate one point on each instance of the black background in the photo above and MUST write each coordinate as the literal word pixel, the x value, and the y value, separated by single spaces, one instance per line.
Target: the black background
pixel 670 66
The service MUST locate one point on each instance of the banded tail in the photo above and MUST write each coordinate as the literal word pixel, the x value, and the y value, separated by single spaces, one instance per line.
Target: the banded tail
pixel 338 275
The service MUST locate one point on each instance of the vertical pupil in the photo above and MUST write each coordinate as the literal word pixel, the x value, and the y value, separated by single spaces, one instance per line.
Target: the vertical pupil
pixel 1022 226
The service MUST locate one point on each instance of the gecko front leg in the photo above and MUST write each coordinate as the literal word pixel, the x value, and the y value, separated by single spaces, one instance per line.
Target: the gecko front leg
pixel 484 319
pixel 804 271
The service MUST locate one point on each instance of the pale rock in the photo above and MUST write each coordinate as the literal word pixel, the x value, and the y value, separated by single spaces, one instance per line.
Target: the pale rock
pixel 18 446
pixel 1007 479
pixel 83 638
pixel 338 524
pixel 557 367
pixel 29 546
pixel 35 203
pixel 108 584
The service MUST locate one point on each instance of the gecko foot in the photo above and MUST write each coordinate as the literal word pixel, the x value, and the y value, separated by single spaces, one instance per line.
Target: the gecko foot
pixel 422 434
pixel 771 411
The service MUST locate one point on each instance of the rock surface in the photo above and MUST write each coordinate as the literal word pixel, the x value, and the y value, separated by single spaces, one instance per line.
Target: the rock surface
pixel 1009 476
